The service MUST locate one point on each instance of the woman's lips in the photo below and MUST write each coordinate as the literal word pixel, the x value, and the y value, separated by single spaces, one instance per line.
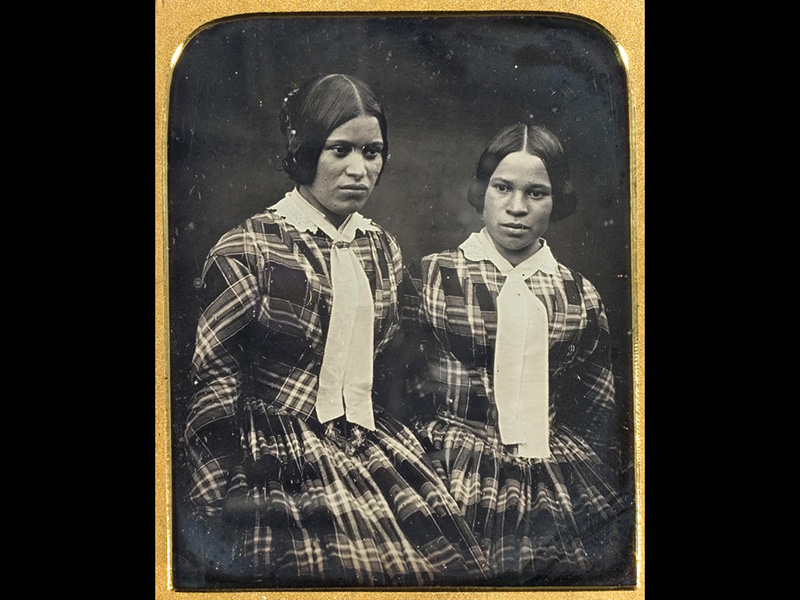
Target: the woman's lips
pixel 516 226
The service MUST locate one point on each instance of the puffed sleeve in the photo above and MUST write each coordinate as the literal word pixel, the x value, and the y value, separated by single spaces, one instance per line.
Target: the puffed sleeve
pixel 230 295
pixel 589 384
pixel 389 259
pixel 409 293
pixel 418 334
pixel 387 382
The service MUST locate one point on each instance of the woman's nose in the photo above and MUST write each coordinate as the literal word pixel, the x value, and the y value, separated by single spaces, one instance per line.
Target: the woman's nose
pixel 356 165
pixel 516 204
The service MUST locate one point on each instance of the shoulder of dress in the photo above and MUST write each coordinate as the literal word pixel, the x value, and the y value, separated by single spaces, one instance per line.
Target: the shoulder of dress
pixel 431 265
pixel 571 274
pixel 266 217
pixel 367 225
pixel 383 237
pixel 585 286
pixel 271 228
pixel 253 235
pixel 449 256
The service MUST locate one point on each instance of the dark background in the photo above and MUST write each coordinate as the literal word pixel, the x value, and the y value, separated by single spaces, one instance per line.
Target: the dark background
pixel 448 83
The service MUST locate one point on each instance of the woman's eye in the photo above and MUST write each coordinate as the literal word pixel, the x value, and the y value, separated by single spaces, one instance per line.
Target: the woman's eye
pixel 538 194
pixel 371 151
pixel 340 149
pixel 501 187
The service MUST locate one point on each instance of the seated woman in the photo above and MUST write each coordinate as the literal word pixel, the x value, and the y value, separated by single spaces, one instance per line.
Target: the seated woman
pixel 310 482
pixel 512 387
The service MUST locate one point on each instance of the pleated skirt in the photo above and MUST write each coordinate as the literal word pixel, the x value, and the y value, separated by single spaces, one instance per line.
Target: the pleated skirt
pixel 538 521
pixel 336 505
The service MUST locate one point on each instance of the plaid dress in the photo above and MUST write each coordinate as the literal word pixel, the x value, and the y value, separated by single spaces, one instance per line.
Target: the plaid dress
pixel 304 503
pixel 539 521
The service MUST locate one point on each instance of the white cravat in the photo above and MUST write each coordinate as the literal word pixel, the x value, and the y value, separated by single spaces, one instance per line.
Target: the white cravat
pixel 521 380
pixel 345 379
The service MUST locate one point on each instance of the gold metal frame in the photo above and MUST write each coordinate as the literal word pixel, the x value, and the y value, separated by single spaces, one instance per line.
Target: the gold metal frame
pixel 176 22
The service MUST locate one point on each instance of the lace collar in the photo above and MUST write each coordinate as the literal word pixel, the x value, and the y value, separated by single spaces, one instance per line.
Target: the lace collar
pixel 302 216
pixel 477 249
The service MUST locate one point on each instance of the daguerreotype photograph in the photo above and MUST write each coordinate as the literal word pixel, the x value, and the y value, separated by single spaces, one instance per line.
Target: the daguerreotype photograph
pixel 400 309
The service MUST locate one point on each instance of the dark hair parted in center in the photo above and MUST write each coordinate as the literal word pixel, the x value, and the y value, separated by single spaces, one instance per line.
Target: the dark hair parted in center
pixel 311 112
pixel 535 140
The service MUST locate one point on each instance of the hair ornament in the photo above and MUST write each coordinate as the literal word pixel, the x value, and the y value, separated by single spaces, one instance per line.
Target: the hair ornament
pixel 286 112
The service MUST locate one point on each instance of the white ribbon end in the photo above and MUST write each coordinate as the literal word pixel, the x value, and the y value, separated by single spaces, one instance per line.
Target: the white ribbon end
pixel 535 450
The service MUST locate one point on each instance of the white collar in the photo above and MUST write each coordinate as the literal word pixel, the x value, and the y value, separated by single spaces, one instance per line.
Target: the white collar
pixel 479 246
pixel 299 213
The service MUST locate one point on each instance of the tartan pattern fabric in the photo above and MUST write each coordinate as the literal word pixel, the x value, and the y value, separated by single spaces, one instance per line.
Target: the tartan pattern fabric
pixel 320 506
pixel 310 504
pixel 537 520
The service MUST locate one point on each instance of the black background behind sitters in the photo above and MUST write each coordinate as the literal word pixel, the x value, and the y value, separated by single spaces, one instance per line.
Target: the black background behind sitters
pixel 448 83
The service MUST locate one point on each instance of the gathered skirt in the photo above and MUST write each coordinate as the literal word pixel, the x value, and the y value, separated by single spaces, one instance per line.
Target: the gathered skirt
pixel 336 505
pixel 538 521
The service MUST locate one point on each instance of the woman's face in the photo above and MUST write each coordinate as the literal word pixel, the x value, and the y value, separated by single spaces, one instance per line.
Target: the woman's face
pixel 517 205
pixel 348 168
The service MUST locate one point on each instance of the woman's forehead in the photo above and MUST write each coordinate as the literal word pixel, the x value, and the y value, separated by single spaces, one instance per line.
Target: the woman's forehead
pixel 521 165
pixel 364 128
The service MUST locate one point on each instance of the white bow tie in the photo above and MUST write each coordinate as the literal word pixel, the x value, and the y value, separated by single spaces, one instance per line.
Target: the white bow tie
pixel 521 379
pixel 345 379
